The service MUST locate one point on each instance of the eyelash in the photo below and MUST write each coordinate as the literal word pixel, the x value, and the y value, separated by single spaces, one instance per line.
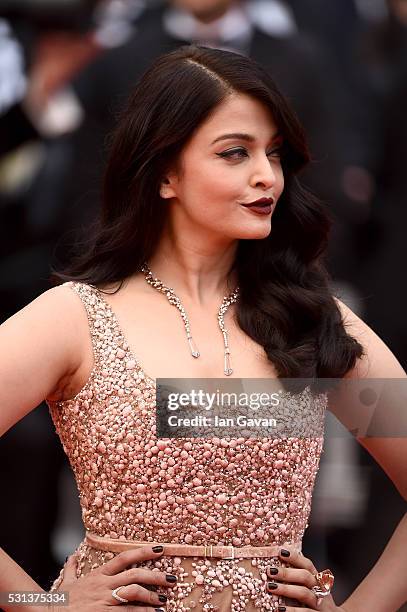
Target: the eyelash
pixel 230 152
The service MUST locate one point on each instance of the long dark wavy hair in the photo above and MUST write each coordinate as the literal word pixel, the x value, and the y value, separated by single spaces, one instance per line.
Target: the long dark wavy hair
pixel 285 302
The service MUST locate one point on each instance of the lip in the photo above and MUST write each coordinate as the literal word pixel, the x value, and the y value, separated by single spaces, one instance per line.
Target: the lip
pixel 260 210
pixel 260 202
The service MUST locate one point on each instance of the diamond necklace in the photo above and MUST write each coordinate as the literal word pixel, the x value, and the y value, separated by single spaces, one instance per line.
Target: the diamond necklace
pixel 175 301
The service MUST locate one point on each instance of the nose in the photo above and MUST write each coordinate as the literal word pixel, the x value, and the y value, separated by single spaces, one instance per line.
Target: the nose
pixel 264 173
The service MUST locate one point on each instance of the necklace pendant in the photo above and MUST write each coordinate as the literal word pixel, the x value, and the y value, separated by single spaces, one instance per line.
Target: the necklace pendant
pixel 194 349
pixel 175 301
pixel 227 365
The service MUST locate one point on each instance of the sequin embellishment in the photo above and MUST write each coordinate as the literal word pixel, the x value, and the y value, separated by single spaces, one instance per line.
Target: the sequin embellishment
pixel 204 491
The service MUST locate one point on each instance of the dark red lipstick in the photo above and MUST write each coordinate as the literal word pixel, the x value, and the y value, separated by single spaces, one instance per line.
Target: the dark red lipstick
pixel 262 206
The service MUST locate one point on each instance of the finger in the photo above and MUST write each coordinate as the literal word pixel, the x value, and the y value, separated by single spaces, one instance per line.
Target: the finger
pixel 150 587
pixel 137 593
pixel 292 576
pixel 290 555
pixel 141 575
pixel 128 557
pixel 300 593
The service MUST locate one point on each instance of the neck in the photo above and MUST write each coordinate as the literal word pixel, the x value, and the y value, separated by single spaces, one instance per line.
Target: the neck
pixel 198 275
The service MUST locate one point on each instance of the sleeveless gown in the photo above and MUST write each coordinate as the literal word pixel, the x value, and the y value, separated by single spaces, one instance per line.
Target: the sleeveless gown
pixel 134 486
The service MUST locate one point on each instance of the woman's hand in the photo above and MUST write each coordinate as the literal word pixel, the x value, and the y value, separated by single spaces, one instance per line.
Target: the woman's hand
pixel 296 582
pixel 93 592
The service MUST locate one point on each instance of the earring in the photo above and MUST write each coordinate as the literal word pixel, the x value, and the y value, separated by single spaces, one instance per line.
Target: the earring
pixel 162 193
pixel 164 189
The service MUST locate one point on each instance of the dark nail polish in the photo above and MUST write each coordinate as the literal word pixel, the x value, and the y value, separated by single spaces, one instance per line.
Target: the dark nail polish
pixel 66 559
pixel 162 609
pixel 158 548
pixel 171 578
pixel 272 585
pixel 282 609
pixel 162 598
pixel 273 571
pixel 284 552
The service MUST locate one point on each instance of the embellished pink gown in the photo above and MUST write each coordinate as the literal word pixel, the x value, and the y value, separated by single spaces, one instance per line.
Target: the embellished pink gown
pixel 203 491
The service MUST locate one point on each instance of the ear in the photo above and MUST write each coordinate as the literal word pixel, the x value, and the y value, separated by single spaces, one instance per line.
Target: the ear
pixel 168 187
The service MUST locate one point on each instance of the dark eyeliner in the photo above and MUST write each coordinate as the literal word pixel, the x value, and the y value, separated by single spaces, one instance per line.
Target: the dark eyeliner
pixel 231 152
pixel 278 151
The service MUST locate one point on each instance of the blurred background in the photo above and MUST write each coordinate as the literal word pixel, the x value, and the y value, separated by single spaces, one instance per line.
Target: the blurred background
pixel 65 68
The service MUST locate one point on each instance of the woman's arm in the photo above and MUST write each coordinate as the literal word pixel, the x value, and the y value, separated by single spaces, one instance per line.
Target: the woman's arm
pixel 39 352
pixel 381 366
pixel 41 349
pixel 14 580
pixel 385 587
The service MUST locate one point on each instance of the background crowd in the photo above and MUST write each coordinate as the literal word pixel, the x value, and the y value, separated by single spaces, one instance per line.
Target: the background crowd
pixel 65 68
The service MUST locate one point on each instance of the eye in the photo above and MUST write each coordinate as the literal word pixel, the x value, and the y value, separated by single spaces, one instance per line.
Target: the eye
pixel 277 152
pixel 236 153
pixel 240 152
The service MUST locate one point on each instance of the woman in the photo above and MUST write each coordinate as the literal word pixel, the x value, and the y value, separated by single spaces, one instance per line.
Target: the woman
pixel 202 210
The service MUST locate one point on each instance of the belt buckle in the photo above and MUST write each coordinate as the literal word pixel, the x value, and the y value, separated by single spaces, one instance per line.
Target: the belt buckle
pixel 232 552
pixel 208 551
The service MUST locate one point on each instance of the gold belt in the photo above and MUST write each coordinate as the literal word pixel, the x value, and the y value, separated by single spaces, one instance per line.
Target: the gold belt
pixel 185 550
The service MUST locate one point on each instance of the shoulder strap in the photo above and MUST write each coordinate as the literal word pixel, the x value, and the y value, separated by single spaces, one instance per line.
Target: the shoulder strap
pixel 103 326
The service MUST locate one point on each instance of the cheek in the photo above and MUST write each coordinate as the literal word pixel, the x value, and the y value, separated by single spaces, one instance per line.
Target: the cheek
pixel 280 183
pixel 212 186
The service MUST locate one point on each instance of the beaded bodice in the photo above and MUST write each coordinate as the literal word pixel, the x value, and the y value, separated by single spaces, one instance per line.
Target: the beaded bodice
pixel 202 491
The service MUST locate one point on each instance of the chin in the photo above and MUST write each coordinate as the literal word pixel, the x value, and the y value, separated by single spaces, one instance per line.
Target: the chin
pixel 255 233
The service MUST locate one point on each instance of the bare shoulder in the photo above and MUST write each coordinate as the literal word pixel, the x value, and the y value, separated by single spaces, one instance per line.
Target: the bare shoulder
pixel 378 360
pixel 56 315
pixel 42 347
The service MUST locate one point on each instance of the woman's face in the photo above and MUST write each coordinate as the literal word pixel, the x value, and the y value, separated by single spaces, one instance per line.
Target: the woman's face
pixel 232 159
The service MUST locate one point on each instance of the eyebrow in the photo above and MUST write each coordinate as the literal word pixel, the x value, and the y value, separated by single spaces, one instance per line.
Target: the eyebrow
pixel 241 136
